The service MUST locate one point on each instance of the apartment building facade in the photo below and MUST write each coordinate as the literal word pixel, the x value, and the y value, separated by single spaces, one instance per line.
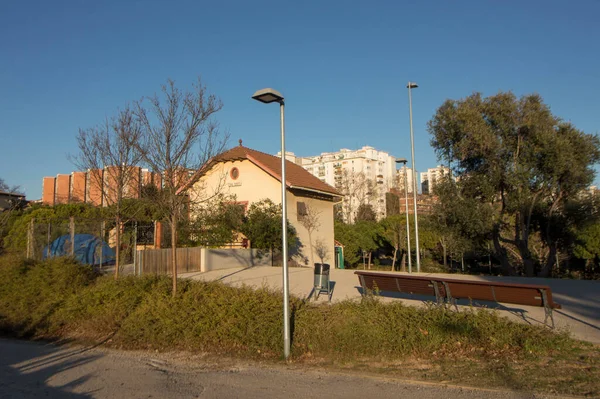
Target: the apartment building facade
pixel 430 178
pixel 402 179
pixel 363 176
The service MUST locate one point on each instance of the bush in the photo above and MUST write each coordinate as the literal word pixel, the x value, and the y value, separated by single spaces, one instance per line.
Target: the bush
pixel 391 331
pixel 209 317
pixel 30 292
pixel 61 298
pixel 98 311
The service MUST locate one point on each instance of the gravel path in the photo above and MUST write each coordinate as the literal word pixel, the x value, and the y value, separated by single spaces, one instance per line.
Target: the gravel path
pixel 34 370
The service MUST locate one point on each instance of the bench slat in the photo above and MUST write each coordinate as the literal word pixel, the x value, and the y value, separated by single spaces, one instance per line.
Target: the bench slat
pixel 522 294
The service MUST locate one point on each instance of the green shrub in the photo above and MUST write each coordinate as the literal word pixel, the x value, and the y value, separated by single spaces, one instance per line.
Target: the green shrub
pixel 61 298
pixel 99 310
pixel 207 316
pixel 392 330
pixel 30 292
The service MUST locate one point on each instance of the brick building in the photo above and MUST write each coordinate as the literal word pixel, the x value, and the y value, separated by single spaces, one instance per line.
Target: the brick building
pixel 96 187
pixel 425 203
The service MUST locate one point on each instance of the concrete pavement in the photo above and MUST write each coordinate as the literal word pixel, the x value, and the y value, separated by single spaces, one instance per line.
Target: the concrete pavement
pixel 580 299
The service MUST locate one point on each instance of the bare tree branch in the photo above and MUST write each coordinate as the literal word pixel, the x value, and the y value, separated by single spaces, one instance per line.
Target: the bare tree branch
pixel 178 137
pixel 109 154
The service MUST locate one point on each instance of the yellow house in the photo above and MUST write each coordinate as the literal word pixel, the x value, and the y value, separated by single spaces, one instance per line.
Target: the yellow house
pixel 252 176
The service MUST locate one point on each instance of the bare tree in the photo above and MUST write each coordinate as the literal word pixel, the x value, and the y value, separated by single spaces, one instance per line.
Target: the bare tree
pixel 14 202
pixel 357 189
pixel 310 220
pixel 110 154
pixel 6 188
pixel 321 249
pixel 179 136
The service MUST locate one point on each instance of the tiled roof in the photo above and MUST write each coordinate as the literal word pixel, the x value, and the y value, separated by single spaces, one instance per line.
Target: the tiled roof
pixel 296 175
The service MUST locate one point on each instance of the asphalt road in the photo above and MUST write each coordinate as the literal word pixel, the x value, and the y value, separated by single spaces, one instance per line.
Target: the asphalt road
pixel 35 370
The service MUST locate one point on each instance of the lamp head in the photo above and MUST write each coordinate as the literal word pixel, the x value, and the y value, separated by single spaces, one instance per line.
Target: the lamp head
pixel 268 95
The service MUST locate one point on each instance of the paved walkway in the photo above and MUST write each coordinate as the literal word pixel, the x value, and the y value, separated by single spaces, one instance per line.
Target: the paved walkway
pixel 580 299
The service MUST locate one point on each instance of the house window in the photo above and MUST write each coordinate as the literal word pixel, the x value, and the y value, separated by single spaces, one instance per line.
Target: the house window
pixel 234 173
pixel 301 210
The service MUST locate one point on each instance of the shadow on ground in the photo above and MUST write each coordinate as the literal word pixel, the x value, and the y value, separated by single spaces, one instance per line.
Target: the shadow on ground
pixel 26 371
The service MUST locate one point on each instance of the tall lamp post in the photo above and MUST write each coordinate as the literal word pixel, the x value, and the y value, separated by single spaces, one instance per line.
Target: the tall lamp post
pixel 403 162
pixel 269 96
pixel 410 86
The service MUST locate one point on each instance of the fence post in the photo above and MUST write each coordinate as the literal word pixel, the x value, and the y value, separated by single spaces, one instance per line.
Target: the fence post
pixel 72 232
pixel 135 231
pixel 48 243
pixel 101 243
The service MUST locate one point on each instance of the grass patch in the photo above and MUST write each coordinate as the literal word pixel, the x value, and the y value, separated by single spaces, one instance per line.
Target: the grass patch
pixel 59 298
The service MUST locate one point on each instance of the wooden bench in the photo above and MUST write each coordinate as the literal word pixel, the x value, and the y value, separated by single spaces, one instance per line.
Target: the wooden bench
pixel 450 289
pixel 414 285
pixel 519 294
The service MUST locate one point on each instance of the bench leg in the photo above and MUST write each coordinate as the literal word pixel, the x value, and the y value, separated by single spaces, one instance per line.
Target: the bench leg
pixel 364 286
pixel 449 299
pixel 547 308
pixel 436 289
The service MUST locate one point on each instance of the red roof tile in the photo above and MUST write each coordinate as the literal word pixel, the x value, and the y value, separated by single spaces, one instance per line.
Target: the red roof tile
pixel 296 175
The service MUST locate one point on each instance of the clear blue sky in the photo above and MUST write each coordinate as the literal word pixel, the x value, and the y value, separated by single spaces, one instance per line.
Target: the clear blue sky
pixel 342 66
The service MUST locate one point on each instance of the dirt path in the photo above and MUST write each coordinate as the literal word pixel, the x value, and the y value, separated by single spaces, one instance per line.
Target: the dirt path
pixel 32 370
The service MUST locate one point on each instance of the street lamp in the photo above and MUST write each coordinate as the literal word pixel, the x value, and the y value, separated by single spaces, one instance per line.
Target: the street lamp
pixel 269 96
pixel 403 162
pixel 410 86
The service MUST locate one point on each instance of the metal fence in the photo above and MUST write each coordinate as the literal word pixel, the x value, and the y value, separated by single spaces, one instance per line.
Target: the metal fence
pixel 138 253
pixel 134 235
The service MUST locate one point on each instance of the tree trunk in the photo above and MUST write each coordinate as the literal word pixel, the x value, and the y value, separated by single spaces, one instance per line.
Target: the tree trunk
pixel 445 253
pixel 311 249
pixel 462 262
pixel 501 253
pixel 546 270
pixel 403 262
pixel 370 260
pixel 118 245
pixel 394 260
pixel 174 252
pixel 528 263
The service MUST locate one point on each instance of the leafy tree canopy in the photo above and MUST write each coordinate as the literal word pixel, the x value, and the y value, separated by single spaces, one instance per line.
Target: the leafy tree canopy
pixel 262 225
pixel 514 158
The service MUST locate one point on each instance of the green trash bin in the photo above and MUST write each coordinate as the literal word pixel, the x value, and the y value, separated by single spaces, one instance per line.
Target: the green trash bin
pixel 339 257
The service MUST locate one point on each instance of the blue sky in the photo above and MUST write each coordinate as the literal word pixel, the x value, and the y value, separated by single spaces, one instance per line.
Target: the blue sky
pixel 342 66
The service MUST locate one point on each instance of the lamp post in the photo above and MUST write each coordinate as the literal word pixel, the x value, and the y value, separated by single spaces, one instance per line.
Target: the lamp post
pixel 403 162
pixel 410 86
pixel 269 96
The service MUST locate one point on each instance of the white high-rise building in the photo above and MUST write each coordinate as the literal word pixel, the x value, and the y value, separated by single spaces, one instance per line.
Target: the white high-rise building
pixel 364 176
pixel 430 178
pixel 409 179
